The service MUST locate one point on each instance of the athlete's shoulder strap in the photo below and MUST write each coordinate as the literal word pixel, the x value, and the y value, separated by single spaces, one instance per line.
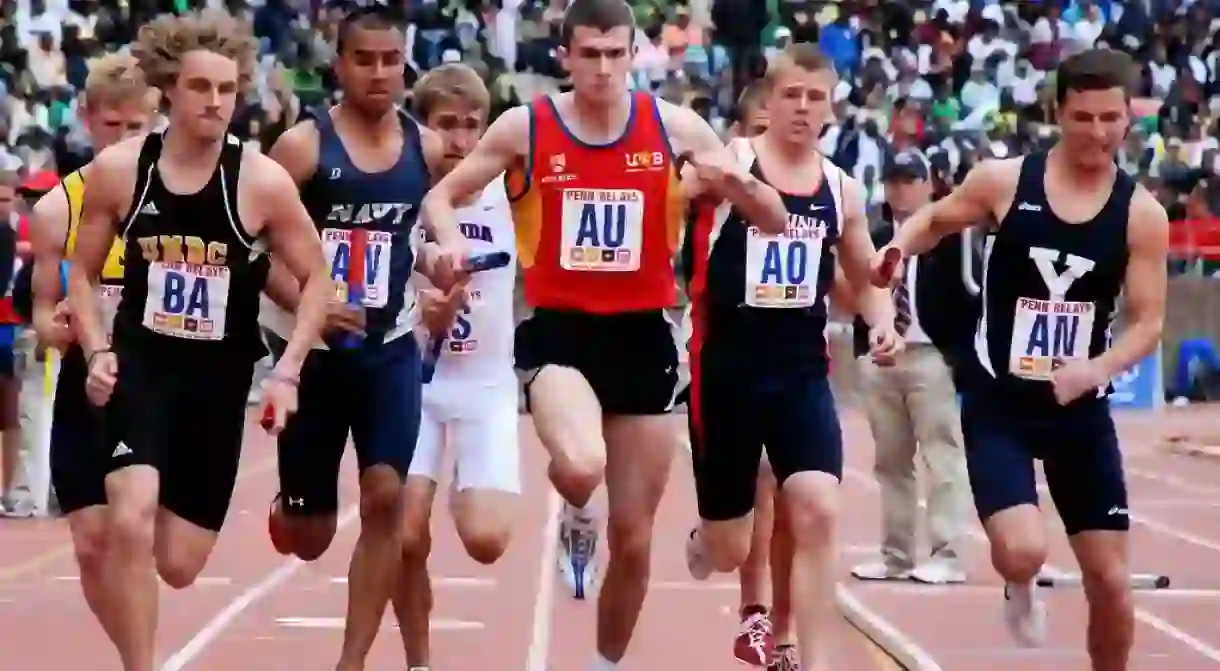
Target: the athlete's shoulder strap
pixel 74 192
pixel 150 153
pixel 1031 181
pixel 835 181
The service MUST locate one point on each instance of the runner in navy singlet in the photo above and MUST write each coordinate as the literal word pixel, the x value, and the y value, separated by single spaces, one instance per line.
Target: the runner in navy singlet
pixel 1074 233
pixel 363 167
pixel 748 287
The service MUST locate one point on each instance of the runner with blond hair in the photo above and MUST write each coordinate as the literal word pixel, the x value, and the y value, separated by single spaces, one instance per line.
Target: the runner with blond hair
pixel 195 211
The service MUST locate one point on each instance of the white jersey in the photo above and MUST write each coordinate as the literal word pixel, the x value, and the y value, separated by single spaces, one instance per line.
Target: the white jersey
pixel 480 344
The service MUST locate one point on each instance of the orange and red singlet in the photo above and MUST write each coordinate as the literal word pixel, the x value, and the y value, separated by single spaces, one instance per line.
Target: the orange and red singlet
pixel 598 225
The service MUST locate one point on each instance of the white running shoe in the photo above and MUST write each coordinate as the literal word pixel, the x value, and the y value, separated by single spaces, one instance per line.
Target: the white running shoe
pixel 879 570
pixel 696 560
pixel 939 571
pixel 1025 614
pixel 577 552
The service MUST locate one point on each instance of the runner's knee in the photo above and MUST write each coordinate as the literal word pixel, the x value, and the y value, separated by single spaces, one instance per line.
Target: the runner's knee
pixel 380 496
pixel 416 543
pixel 312 535
pixel 133 520
pixel 89 544
pixel 812 507
pixel 179 570
pixel 727 543
pixel 485 543
pixel 630 540
pixel 1018 544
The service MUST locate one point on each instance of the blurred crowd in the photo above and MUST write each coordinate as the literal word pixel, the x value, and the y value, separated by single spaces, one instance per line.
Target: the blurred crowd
pixel 959 80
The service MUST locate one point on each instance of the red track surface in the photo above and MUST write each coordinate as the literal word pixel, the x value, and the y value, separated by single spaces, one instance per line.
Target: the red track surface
pixel 1175 531
pixel 256 610
pixel 253 610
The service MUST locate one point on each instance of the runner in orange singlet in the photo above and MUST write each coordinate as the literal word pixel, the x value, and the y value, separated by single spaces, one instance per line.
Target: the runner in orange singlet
pixel 598 212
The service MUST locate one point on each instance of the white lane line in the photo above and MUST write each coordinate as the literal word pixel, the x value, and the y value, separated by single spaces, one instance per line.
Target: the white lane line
pixel 255 593
pixel 540 639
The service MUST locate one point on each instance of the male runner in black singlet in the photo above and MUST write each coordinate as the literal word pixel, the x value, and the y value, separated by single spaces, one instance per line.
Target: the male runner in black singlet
pixel 1074 233
pixel 117 105
pixel 194 209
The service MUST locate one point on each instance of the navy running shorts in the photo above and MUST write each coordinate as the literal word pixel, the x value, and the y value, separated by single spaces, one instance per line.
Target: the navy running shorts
pixel 1080 455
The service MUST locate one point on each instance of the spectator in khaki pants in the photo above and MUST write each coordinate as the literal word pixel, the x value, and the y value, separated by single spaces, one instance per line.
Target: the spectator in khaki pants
pixel 912 406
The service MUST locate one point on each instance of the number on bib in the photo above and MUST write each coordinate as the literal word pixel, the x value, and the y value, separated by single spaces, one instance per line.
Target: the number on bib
pixel 782 271
pixel 336 242
pixel 602 230
pixel 1048 334
pixel 187 300
pixel 461 340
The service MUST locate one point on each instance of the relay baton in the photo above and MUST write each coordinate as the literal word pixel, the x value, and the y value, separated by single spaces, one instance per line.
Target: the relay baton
pixel 473 264
pixel 355 282
pixel 1140 581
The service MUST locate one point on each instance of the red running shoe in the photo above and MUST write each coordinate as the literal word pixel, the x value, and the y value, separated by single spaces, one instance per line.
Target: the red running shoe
pixel 276 529
pixel 755 645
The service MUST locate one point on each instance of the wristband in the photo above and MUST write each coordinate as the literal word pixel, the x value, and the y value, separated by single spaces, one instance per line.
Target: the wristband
pixel 89 362
pixel 291 380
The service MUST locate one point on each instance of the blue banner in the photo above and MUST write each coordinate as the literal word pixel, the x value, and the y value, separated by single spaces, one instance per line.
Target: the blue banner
pixel 1141 387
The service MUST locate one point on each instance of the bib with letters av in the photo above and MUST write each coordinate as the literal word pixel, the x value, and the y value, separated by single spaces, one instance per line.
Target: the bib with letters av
pixel 769 291
pixel 193 274
pixel 384 206
pixel 1050 288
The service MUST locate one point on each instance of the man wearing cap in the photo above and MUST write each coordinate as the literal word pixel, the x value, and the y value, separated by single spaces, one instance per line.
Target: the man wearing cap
pixel 912 406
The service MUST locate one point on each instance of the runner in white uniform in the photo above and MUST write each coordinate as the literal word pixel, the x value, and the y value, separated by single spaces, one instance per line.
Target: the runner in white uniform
pixel 470 404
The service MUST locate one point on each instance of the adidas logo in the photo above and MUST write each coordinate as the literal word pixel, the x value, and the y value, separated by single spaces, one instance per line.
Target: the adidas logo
pixel 150 209
pixel 121 450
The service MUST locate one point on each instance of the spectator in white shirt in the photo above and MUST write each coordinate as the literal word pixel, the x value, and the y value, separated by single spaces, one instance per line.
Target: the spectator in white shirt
pixel 1025 84
pixel 1089 27
pixel 1163 74
pixel 979 91
pixel 36 20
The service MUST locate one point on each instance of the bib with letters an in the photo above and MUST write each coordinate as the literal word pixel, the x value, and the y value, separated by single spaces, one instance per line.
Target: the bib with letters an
pixel 187 300
pixel 602 230
pixel 1047 334
pixel 782 270
pixel 337 244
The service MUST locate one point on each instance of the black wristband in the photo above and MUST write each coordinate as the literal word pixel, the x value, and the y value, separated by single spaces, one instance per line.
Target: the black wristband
pixel 89 362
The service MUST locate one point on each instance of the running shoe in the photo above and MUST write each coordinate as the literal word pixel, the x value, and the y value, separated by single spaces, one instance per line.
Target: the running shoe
pixel 1024 614
pixel 785 659
pixel 577 552
pixel 755 644
pixel 276 528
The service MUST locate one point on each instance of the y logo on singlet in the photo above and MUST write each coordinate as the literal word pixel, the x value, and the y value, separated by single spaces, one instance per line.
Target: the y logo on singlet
pixel 1054 330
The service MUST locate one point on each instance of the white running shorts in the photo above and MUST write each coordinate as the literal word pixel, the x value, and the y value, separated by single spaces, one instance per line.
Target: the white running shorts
pixel 479 424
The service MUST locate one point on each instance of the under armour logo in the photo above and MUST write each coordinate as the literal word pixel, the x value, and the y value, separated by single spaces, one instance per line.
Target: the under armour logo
pixel 296 502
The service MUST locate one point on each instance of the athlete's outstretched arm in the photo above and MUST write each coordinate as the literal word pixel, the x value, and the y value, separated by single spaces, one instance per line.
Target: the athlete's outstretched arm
pixel 972 203
pixel 502 144
pixel 720 172
pixel 297 151
pixel 295 242
pixel 856 252
pixel 48 231
pixel 101 218
pixel 1145 286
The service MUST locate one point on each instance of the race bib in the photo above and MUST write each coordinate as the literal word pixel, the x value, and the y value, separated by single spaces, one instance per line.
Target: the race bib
pixel 187 300
pixel 109 295
pixel 782 270
pixel 603 230
pixel 1048 334
pixel 337 243
pixel 462 340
